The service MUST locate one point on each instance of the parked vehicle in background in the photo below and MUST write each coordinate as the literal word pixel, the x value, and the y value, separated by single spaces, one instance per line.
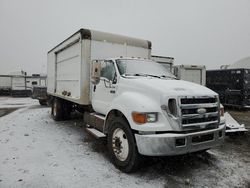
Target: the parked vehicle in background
pixel 38 84
pixel 191 73
pixel 232 85
pixel 40 93
pixel 135 103
pixel 19 86
pixel 35 80
pixel 167 62
pixel 5 85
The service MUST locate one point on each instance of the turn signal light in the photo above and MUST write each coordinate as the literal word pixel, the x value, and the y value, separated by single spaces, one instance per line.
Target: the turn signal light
pixel 139 117
pixel 144 117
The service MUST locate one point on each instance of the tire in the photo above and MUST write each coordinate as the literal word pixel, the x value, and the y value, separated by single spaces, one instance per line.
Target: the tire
pixel 57 109
pixel 122 146
pixel 43 102
pixel 202 151
pixel 67 109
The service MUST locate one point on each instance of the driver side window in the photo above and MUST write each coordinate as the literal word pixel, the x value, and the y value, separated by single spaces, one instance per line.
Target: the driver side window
pixel 108 70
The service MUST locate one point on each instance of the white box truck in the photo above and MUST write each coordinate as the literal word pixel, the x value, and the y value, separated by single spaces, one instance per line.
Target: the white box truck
pixel 167 62
pixel 130 100
pixel 191 73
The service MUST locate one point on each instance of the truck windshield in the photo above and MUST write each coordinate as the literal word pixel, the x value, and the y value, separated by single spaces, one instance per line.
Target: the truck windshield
pixel 136 67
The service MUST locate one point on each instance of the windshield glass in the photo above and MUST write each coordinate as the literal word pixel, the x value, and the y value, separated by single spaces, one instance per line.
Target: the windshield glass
pixel 136 67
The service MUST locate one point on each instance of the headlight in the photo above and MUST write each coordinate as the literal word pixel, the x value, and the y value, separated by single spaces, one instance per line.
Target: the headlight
pixel 151 117
pixel 144 117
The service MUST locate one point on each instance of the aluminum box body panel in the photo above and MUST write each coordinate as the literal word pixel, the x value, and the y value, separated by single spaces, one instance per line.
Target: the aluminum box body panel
pixel 69 62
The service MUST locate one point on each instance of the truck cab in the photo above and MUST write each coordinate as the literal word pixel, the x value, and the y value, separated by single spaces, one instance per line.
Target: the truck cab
pixel 147 111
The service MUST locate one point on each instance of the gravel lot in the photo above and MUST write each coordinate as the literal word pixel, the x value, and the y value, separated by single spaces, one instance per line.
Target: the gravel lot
pixel 35 151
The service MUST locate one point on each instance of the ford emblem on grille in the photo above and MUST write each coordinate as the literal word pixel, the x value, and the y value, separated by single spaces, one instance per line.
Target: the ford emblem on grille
pixel 201 110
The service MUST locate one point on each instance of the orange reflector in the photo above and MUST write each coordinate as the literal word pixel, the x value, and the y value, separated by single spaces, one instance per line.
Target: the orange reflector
pixel 139 117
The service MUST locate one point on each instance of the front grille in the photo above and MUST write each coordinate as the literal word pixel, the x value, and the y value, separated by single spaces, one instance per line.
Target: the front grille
pixel 194 110
pixel 199 111
pixel 198 100
pixel 199 120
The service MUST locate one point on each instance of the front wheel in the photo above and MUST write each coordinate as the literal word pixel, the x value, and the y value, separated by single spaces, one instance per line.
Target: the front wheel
pixel 122 147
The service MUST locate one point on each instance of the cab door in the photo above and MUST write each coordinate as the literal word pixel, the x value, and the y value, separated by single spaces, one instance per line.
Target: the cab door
pixel 105 91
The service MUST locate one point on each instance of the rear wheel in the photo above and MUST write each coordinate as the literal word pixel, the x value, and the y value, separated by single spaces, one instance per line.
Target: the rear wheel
pixel 43 102
pixel 67 109
pixel 57 109
pixel 122 147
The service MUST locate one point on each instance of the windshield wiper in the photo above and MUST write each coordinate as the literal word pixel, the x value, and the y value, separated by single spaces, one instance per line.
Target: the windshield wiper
pixel 151 75
pixel 165 76
pixel 134 74
pixel 140 74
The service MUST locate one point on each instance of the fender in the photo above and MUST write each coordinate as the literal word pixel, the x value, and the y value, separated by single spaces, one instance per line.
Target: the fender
pixel 129 102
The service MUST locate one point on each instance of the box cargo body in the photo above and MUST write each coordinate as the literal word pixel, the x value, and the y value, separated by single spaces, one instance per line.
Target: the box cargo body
pixel 192 73
pixel 69 62
pixel 167 62
pixel 232 85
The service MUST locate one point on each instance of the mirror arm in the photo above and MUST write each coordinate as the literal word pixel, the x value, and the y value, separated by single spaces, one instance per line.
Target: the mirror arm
pixel 114 81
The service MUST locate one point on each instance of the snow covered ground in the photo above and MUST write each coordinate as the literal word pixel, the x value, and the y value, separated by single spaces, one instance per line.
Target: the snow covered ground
pixel 36 151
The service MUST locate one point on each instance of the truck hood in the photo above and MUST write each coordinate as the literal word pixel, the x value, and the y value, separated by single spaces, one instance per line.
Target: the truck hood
pixel 171 87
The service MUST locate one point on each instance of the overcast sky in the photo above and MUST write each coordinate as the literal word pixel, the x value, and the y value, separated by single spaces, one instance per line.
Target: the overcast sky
pixel 206 32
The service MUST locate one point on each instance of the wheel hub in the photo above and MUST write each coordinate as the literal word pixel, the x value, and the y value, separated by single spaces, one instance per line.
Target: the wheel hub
pixel 120 144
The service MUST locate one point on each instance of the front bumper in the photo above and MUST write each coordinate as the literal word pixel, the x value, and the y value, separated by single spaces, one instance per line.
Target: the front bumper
pixel 168 144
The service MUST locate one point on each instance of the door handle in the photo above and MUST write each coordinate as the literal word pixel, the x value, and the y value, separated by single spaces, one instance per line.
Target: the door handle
pixel 94 88
pixel 112 91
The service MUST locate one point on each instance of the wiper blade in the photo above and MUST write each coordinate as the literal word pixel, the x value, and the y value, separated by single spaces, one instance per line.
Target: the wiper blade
pixel 165 76
pixel 151 75
pixel 139 74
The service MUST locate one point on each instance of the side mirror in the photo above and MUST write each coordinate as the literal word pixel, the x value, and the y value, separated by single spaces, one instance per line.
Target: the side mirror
pixel 95 72
pixel 114 81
